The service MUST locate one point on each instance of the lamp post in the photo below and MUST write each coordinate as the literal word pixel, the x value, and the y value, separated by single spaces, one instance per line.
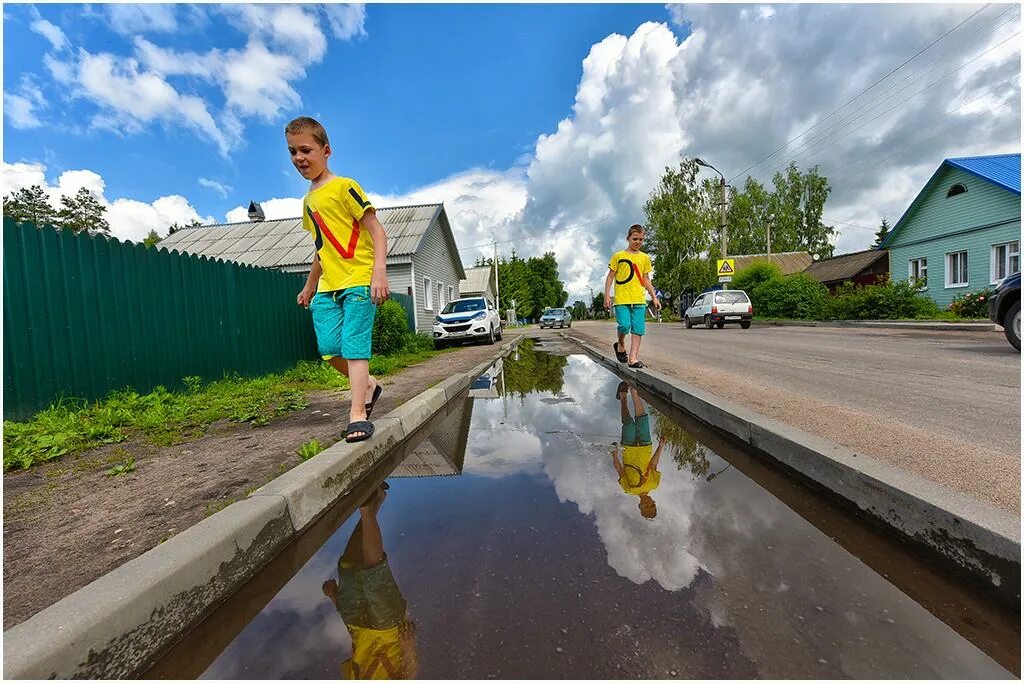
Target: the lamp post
pixel 722 207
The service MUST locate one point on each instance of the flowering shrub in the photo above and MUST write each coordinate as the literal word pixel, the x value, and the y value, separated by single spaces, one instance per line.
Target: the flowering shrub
pixel 972 304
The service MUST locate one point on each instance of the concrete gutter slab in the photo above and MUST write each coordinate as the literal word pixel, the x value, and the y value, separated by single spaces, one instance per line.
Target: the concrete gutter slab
pixel 113 627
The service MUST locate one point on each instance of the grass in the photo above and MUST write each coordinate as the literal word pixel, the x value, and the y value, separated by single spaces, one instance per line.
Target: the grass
pixel 163 418
pixel 309 449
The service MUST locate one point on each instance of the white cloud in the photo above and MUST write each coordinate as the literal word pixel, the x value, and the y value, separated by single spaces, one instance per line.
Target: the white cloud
pixel 129 219
pixel 129 19
pixel 20 109
pixel 51 32
pixel 273 209
pixel 219 188
pixel 346 21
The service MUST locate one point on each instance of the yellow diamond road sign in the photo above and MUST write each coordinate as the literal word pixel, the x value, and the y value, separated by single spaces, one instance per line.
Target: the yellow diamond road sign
pixel 726 266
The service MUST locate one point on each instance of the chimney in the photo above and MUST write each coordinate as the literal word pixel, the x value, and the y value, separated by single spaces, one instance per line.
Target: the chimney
pixel 256 212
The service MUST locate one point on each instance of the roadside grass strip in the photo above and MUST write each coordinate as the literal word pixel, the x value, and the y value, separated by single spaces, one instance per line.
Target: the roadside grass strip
pixel 164 418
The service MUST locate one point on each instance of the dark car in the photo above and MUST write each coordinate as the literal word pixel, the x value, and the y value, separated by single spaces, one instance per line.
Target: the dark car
pixel 1004 308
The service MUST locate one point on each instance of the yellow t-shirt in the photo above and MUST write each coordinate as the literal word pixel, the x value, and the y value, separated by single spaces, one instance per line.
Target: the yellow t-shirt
pixel 376 655
pixel 332 213
pixel 631 270
pixel 635 479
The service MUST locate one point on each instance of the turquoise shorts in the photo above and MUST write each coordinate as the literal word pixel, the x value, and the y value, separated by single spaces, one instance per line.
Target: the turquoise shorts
pixel 343 321
pixel 369 598
pixel 637 432
pixel 632 318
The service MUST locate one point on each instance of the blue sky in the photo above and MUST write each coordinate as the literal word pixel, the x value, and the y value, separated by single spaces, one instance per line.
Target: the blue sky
pixel 543 127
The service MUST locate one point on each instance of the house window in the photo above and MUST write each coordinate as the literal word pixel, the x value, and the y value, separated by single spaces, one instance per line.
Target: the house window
pixel 451 293
pixel 959 188
pixel 1005 260
pixel 918 270
pixel 440 295
pixel 956 269
pixel 428 292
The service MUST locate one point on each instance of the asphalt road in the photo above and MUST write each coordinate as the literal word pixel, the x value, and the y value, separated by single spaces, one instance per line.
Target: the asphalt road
pixel 943 404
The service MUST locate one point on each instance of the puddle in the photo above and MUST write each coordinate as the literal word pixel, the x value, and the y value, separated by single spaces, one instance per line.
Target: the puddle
pixel 516 550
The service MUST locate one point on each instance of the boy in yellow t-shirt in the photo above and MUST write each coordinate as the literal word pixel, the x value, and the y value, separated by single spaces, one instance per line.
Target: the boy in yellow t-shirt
pixel 370 604
pixel 348 277
pixel 630 269
pixel 638 469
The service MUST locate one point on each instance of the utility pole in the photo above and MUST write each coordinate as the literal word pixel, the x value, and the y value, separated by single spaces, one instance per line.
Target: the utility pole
pixel 768 226
pixel 497 287
pixel 592 311
pixel 723 208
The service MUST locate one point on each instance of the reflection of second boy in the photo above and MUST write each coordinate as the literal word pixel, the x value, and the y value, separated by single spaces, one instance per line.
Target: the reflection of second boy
pixel 638 468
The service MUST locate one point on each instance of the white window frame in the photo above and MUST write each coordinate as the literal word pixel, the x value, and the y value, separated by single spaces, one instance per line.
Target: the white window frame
pixel 1012 251
pixel 922 271
pixel 440 296
pixel 950 283
pixel 428 294
pixel 451 293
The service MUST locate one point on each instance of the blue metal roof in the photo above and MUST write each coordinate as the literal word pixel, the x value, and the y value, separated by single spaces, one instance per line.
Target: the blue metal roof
pixel 1001 169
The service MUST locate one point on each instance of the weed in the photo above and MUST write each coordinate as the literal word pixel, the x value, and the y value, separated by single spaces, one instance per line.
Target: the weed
pixel 309 449
pixel 123 467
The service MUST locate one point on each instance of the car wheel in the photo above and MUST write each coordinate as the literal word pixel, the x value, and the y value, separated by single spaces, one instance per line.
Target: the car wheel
pixel 707 322
pixel 1011 325
pixel 745 325
pixel 687 322
pixel 490 336
pixel 438 345
pixel 720 324
pixel 570 325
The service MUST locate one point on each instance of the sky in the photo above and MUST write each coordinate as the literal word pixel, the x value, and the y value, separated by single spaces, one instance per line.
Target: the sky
pixel 540 127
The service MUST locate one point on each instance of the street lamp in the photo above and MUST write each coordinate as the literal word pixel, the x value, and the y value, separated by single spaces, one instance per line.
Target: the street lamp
pixel 722 206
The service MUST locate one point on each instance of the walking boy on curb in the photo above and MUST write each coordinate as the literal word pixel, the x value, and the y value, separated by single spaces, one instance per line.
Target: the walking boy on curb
pixel 348 277
pixel 630 269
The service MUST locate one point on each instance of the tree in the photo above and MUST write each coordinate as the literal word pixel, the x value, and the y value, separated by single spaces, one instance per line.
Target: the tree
pixel 151 239
pixel 883 232
pixel 798 202
pixel 597 307
pixel 29 204
pixel 82 213
pixel 579 310
pixel 682 230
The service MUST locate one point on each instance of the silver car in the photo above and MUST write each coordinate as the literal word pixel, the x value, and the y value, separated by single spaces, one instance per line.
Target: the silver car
pixel 715 309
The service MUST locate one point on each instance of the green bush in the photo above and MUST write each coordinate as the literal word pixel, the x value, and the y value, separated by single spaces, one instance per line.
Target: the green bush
pixel 418 342
pixel 753 276
pixel 390 329
pixel 972 304
pixel 886 300
pixel 797 296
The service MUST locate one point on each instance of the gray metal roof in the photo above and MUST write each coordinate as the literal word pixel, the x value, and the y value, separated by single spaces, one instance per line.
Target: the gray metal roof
pixel 788 261
pixel 284 242
pixel 845 266
pixel 477 279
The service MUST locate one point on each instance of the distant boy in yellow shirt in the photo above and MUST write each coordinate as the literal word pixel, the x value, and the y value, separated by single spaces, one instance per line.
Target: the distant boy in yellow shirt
pixel 630 270
pixel 638 469
pixel 348 277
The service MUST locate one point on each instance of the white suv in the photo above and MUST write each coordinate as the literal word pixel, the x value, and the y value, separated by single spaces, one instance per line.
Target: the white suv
pixel 717 308
pixel 471 318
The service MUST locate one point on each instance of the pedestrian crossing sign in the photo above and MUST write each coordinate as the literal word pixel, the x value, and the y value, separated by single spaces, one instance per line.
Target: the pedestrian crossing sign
pixel 726 266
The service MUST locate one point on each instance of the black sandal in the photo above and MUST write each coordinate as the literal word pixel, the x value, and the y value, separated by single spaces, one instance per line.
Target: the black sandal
pixel 637 364
pixel 373 401
pixel 364 426
pixel 620 355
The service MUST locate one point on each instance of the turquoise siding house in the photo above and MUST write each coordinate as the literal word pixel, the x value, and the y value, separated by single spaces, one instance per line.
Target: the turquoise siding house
pixel 962 232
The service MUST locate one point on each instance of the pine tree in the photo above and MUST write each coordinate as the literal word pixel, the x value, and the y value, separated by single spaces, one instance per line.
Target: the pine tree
pixel 883 232
pixel 29 204
pixel 82 213
pixel 151 239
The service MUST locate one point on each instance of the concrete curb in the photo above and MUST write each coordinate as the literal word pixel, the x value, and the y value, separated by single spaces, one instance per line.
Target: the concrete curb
pixel 981 541
pixel 881 324
pixel 118 625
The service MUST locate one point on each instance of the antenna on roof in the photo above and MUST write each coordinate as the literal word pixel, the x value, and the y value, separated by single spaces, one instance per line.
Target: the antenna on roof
pixel 256 212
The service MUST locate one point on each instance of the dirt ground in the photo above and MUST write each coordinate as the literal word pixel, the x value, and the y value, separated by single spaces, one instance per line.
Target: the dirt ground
pixel 66 523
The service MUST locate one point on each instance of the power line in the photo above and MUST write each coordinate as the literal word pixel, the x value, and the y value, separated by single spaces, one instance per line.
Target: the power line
pixel 806 147
pixel 537 236
pixel 921 51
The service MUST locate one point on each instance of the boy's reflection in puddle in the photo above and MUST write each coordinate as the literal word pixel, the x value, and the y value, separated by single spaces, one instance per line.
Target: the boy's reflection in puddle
pixel 638 467
pixel 370 604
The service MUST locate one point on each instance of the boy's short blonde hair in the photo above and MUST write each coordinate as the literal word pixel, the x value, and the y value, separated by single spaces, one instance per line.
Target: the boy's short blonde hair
pixel 307 124
pixel 636 227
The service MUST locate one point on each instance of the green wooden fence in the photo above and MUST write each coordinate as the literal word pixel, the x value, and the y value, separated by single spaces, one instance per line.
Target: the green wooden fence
pixel 84 315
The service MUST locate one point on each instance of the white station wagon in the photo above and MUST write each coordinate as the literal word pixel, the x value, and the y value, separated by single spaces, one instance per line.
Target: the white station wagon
pixel 715 309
